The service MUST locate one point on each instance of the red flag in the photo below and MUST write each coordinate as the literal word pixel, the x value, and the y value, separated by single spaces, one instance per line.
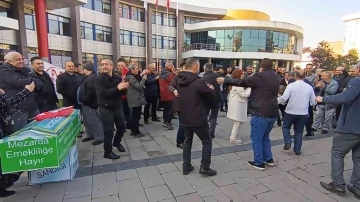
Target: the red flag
pixel 124 71
pixel 167 3
pixel 156 3
pixel 62 112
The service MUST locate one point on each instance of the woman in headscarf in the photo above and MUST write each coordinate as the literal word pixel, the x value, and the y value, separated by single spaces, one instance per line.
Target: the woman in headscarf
pixel 7 180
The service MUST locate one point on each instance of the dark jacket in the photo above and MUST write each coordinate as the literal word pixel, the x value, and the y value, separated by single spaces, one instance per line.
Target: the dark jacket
pixel 173 86
pixel 166 77
pixel 80 77
pixel 87 94
pixel 151 87
pixel 343 81
pixel 42 93
pixel 193 94
pixel 210 78
pixel 13 81
pixel 283 81
pixel 67 85
pixel 107 93
pixel 135 91
pixel 264 92
pixel 350 99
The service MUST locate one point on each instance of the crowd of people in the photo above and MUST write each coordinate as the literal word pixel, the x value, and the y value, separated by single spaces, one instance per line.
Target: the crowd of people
pixel 118 95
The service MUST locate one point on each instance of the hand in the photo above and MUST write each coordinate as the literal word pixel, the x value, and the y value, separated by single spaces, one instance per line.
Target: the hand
pixel 123 85
pixel 157 77
pixel 220 80
pixel 2 92
pixel 144 76
pixel 211 86
pixel 176 93
pixel 30 87
pixel 319 99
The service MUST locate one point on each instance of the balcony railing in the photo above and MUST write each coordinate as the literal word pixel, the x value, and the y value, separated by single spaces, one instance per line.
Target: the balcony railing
pixel 217 47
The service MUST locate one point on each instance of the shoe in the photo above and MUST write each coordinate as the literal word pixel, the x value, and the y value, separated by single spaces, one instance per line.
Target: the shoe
pixel 279 123
pixel 175 117
pixel 140 124
pixel 287 146
pixel 79 136
pixel 5 193
pixel 111 156
pixel 212 135
pixel 270 162
pixel 97 142
pixel 139 135
pixel 297 153
pixel 236 141
pixel 181 146
pixel 155 120
pixel 120 148
pixel 186 172
pixel 207 171
pixel 353 190
pixel 146 122
pixel 333 188
pixel 310 134
pixel 259 167
pixel 313 129
pixel 160 110
pixel 81 132
pixel 222 110
pixel 324 132
pixel 87 139
pixel 128 127
pixel 168 126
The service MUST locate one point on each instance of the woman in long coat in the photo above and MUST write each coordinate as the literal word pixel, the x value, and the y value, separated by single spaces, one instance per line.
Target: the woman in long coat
pixel 7 180
pixel 238 101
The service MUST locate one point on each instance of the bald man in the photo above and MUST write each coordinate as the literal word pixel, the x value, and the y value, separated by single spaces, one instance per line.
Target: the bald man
pixel 67 85
pixel 13 78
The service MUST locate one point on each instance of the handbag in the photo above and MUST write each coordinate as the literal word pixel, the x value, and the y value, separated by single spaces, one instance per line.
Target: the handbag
pixel 15 121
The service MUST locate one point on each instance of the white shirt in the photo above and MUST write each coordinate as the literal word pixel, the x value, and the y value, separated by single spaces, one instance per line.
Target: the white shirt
pixel 298 94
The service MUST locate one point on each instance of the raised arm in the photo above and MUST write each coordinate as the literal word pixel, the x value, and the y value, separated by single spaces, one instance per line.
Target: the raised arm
pixel 102 91
pixel 350 93
pixel 246 82
pixel 133 82
pixel 15 100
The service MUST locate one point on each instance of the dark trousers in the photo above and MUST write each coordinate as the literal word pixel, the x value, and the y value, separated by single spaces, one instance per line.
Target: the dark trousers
pixel 168 112
pixel 337 112
pixel 180 136
pixel 213 118
pixel 135 118
pixel 203 133
pixel 310 120
pixel 151 102
pixel 299 122
pixel 127 112
pixel 109 117
pixel 224 101
pixel 342 145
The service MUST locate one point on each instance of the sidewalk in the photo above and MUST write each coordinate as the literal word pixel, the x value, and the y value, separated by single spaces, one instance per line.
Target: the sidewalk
pixel 293 179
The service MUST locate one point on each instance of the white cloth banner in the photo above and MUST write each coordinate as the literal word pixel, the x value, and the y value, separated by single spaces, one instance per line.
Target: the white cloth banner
pixel 53 72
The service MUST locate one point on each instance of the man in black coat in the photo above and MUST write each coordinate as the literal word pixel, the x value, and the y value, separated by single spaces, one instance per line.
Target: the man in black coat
pixel 151 95
pixel 67 85
pixel 193 95
pixel 90 107
pixel 263 107
pixel 210 77
pixel 13 77
pixel 46 97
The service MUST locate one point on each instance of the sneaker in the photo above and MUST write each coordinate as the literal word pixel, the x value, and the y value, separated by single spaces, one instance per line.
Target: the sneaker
pixel 324 132
pixel 97 142
pixel 270 162
pixel 87 139
pixel 155 120
pixel 187 171
pixel 353 190
pixel 168 126
pixel 259 167
pixel 207 171
pixel 236 141
pixel 287 146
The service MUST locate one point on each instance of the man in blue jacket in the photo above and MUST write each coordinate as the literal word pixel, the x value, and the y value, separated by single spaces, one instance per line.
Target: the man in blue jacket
pixel 347 139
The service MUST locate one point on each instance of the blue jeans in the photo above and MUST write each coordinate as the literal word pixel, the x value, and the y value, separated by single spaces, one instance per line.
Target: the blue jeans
pixel 299 122
pixel 260 130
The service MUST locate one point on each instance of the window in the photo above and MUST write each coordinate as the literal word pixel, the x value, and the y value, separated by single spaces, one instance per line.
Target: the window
pixel 88 5
pixel 156 19
pixel 102 6
pixel 59 57
pixel 87 31
pixel 172 21
pixel 172 43
pixel 138 14
pixel 58 25
pixel 87 58
pixel 157 43
pixel 30 19
pixel 138 39
pixel 125 37
pixel 124 11
pixel 103 34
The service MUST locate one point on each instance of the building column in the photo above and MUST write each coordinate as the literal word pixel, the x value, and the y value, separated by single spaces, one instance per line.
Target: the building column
pixel 42 29
pixel 241 64
pixel 148 35
pixel 17 12
pixel 115 30
pixel 75 34
pixel 180 37
pixel 287 66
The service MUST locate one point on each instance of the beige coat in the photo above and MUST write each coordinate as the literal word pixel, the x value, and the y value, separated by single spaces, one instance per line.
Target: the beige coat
pixel 238 102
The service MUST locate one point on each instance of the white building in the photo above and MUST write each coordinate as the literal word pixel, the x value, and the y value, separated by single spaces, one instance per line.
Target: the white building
pixel 352 32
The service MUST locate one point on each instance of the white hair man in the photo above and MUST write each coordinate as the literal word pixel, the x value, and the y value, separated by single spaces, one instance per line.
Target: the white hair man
pixel 13 78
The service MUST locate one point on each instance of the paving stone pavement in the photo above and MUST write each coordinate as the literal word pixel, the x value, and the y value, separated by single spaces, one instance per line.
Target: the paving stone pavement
pixel 292 179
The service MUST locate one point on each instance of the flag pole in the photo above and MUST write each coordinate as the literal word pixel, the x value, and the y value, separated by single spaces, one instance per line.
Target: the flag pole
pixel 156 41
pixel 168 21
pixel 177 33
pixel 146 33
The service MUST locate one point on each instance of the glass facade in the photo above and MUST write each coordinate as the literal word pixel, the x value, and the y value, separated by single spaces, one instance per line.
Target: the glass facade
pixel 131 12
pixel 95 32
pixel 58 25
pixel 132 38
pixel 162 19
pixel 57 57
pixel 244 40
pixel 102 6
pixel 164 42
pixel 193 20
